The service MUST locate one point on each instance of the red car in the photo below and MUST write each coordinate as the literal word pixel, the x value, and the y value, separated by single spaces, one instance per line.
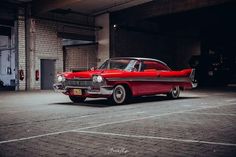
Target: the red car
pixel 119 79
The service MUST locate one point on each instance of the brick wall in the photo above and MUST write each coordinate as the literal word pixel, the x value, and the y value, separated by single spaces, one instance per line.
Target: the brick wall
pixel 21 50
pixel 44 43
pixel 47 46
pixel 80 57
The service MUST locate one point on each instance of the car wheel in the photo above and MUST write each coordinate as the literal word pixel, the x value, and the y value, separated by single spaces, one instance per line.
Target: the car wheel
pixel 174 93
pixel 76 99
pixel 119 95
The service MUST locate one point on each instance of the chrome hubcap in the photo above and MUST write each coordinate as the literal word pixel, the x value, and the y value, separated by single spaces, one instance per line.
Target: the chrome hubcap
pixel 119 94
pixel 175 92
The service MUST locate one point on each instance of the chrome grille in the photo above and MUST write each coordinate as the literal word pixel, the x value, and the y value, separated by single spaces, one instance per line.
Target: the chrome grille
pixel 79 83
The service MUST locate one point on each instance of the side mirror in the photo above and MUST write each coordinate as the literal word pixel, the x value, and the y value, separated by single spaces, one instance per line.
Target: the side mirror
pixel 93 68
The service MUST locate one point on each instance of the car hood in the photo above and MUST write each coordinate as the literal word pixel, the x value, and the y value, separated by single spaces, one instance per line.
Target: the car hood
pixel 89 74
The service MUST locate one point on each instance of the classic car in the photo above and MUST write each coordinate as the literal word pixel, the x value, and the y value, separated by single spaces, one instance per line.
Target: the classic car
pixel 119 79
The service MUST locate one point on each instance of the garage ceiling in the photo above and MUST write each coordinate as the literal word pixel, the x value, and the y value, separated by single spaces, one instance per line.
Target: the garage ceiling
pixel 100 6
pixel 89 7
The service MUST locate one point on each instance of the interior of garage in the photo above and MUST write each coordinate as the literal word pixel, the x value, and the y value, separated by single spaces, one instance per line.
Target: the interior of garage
pixel 77 35
pixel 42 39
pixel 199 38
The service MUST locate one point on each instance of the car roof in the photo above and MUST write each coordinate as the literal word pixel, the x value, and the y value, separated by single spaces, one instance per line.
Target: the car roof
pixel 140 58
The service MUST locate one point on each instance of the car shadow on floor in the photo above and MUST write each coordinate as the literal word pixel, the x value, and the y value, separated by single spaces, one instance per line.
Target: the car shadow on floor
pixel 135 100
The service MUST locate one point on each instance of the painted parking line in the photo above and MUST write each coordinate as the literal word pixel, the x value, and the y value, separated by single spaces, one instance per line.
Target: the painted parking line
pixel 109 123
pixel 158 138
pixel 230 100
pixel 33 137
pixel 78 118
pixel 211 114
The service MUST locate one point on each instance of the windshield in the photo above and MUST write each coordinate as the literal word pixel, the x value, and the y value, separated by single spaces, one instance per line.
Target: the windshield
pixel 121 64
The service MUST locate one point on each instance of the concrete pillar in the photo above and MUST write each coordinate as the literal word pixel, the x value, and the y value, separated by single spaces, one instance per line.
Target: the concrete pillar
pixel 31 53
pixel 21 50
pixel 30 49
pixel 103 37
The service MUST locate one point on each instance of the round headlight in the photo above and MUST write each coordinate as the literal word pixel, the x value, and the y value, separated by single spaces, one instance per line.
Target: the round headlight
pixel 99 79
pixel 60 78
pixel 95 78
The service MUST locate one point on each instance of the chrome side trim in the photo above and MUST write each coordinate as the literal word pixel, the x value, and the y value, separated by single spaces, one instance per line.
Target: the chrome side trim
pixel 151 79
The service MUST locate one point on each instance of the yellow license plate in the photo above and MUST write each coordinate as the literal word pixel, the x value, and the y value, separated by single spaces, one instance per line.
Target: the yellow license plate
pixel 77 91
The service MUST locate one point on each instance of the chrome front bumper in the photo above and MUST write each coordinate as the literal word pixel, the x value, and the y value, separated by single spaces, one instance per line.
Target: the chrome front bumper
pixel 58 87
pixel 104 90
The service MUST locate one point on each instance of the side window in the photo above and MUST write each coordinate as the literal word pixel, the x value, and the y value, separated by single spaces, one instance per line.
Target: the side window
pixel 153 66
pixel 104 65
pixel 136 66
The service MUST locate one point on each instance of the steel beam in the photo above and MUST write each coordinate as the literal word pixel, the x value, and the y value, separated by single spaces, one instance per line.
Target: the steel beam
pixel 43 6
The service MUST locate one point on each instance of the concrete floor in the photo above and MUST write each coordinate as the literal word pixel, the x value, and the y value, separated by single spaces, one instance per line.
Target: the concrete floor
pixel 44 123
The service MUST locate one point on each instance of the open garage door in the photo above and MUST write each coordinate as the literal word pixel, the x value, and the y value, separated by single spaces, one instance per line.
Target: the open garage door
pixel 7 59
pixel 202 38
pixel 80 57
pixel 79 47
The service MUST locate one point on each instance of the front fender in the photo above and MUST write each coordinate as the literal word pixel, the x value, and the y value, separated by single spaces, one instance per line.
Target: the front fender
pixel 127 84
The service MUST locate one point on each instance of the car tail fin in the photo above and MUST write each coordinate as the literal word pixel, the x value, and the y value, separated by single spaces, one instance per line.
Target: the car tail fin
pixel 192 75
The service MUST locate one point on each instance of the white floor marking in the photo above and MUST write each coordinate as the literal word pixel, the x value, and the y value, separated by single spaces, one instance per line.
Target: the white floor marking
pixel 159 138
pixel 33 137
pixel 141 112
pixel 214 114
pixel 109 123
pixel 231 100
pixel 78 118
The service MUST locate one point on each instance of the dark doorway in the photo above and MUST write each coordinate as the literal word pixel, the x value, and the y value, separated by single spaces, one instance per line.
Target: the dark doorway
pixel 47 73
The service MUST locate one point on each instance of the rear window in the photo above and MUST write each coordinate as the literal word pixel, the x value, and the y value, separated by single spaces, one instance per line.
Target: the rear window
pixel 153 65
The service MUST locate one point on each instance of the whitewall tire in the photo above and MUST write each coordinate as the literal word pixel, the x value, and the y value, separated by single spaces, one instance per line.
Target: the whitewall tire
pixel 119 95
pixel 174 93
